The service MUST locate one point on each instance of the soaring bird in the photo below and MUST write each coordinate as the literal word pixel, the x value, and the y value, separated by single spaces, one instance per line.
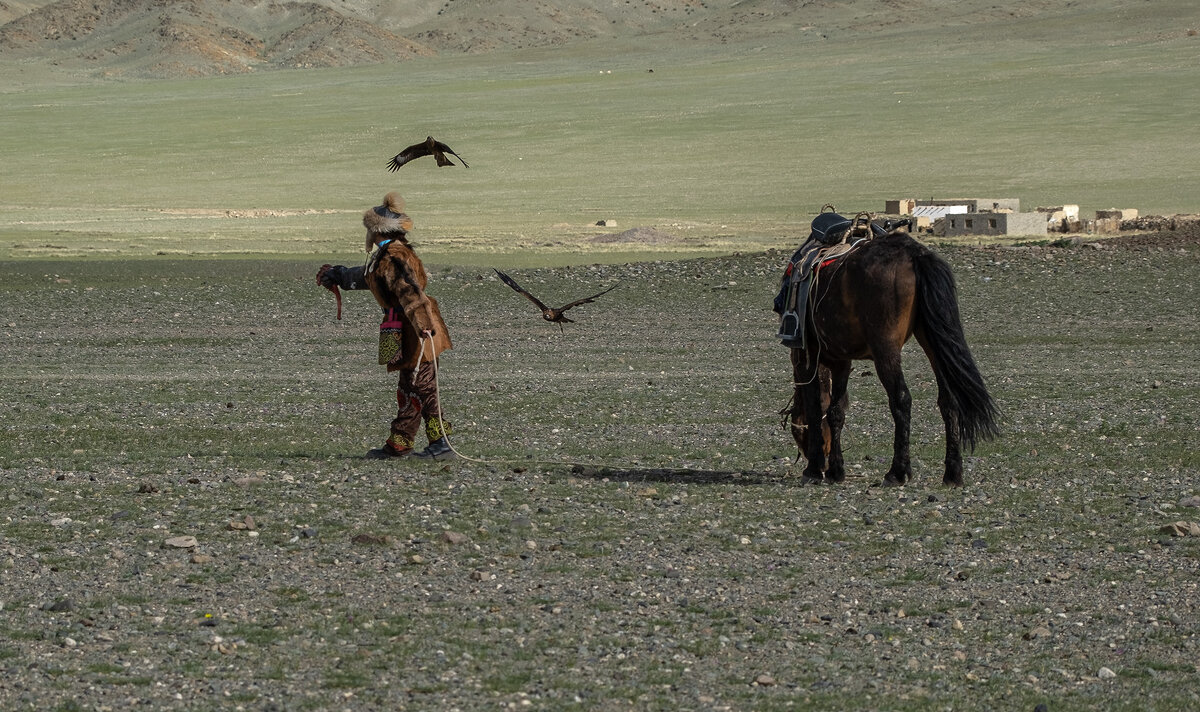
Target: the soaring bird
pixel 548 313
pixel 428 147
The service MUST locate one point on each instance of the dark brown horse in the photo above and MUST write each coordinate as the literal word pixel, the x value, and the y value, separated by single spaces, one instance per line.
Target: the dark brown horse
pixel 866 305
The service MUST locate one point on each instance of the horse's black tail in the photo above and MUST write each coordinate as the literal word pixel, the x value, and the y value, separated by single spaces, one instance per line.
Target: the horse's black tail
pixel 958 375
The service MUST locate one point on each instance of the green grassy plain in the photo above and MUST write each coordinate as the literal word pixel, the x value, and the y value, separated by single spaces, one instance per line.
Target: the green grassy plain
pixel 725 146
pixel 170 369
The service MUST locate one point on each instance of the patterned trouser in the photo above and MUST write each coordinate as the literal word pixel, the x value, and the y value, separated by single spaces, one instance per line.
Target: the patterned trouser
pixel 416 398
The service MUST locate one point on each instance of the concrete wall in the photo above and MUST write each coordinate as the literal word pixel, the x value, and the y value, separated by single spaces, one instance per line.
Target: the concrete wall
pixel 979 205
pixel 1117 213
pixel 996 224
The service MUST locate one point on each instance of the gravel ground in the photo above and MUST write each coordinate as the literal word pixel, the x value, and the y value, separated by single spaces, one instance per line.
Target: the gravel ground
pixel 188 523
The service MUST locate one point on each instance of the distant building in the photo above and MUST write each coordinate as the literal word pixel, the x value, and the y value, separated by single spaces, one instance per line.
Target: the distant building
pixel 983 223
pixel 909 206
pixel 979 205
pixel 927 215
pixel 903 206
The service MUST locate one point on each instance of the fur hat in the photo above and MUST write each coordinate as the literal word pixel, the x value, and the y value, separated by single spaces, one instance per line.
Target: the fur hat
pixel 394 202
pixel 387 219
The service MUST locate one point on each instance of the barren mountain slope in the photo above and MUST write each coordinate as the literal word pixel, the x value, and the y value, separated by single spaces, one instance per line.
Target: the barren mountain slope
pixel 199 37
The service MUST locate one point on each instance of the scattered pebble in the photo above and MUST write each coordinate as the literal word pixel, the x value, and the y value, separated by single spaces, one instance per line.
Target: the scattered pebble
pixel 454 538
pixel 182 542
pixel 1181 528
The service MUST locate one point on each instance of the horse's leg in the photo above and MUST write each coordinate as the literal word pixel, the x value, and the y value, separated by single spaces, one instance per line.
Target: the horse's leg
pixel 836 418
pixel 954 472
pixel 887 367
pixel 814 448
pixel 799 426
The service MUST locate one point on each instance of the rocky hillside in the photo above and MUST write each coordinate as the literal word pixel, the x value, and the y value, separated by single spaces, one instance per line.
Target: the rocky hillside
pixel 165 38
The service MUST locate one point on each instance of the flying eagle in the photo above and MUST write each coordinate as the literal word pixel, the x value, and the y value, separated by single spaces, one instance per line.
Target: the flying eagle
pixel 428 147
pixel 550 314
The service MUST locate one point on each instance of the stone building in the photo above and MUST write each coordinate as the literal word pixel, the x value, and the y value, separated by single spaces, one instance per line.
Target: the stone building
pixel 995 224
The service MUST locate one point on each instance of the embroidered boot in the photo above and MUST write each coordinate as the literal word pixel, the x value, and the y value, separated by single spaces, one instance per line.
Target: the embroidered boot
pixel 437 450
pixel 396 446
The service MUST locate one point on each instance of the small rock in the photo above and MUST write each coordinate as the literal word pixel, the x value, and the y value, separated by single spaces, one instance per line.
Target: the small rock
pixel 308 533
pixel 454 538
pixel 482 576
pixel 369 540
pixel 59 606
pixel 416 559
pixel 146 488
pixel 1106 674
pixel 765 680
pixel 201 559
pixel 64 521
pixel 246 524
pixel 1037 633
pixel 1181 528
pixel 1193 501
pixel 182 542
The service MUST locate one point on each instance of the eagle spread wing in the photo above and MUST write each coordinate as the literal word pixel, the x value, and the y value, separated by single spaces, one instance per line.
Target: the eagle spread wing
pixel 428 147
pixel 585 300
pixel 520 290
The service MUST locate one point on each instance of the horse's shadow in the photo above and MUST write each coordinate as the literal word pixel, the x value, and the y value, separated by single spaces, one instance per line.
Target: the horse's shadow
pixel 676 475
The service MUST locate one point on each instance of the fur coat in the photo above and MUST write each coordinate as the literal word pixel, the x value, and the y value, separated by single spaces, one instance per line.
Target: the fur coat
pixel 397 279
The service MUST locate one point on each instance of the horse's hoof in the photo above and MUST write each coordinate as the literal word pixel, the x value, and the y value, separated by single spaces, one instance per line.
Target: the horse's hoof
pixel 949 482
pixel 890 481
pixel 809 480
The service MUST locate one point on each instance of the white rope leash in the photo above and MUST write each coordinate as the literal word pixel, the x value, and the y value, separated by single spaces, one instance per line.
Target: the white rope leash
pixel 437 387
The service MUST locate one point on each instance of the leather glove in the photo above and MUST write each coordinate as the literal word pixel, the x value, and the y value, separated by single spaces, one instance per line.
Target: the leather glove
pixel 330 276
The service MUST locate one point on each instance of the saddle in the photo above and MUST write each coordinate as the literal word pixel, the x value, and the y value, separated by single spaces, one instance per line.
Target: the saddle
pixel 832 237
